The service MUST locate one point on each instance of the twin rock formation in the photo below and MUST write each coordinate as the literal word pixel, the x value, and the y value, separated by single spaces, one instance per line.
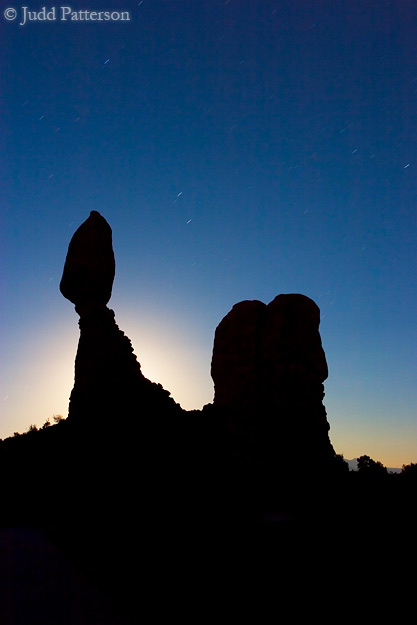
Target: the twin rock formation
pixel 268 368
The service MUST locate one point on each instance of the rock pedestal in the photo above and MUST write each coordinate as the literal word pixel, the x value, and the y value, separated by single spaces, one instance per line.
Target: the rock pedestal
pixel 109 384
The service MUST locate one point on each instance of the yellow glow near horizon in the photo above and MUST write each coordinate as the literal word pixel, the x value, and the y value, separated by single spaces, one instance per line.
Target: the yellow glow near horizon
pixel 382 443
pixel 169 357
pixel 38 383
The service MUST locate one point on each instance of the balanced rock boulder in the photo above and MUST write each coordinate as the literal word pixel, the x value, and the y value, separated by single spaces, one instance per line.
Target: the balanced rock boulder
pixel 89 268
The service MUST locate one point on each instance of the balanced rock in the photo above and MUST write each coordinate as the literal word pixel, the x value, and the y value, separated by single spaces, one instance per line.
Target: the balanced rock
pixel 108 378
pixel 89 268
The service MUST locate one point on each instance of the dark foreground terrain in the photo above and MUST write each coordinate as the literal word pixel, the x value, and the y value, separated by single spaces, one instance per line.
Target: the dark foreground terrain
pixel 97 529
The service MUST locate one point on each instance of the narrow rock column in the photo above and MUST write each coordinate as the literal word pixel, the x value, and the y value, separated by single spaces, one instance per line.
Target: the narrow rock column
pixel 107 374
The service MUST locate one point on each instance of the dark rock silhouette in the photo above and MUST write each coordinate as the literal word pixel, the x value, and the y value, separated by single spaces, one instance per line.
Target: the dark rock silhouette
pixel 89 268
pixel 108 378
pixel 268 369
pixel 259 348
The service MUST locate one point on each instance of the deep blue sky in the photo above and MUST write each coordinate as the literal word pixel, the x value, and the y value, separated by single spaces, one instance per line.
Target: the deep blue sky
pixel 239 150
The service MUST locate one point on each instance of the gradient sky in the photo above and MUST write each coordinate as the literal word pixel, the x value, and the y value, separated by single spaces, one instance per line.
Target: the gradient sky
pixel 239 149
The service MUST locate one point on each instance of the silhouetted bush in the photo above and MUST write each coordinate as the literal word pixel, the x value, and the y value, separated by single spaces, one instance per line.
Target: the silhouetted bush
pixel 369 467
pixel 409 471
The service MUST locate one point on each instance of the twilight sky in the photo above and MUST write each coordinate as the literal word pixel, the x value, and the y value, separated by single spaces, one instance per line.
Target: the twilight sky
pixel 239 149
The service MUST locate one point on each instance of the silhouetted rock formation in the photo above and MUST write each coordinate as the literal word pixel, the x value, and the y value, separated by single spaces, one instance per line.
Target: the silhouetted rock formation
pixel 267 419
pixel 259 348
pixel 236 456
pixel 109 382
pixel 268 369
pixel 88 275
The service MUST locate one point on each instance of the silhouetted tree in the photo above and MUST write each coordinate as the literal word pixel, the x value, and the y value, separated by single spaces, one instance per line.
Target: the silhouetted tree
pixel 340 464
pixel 371 467
pixel 409 471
